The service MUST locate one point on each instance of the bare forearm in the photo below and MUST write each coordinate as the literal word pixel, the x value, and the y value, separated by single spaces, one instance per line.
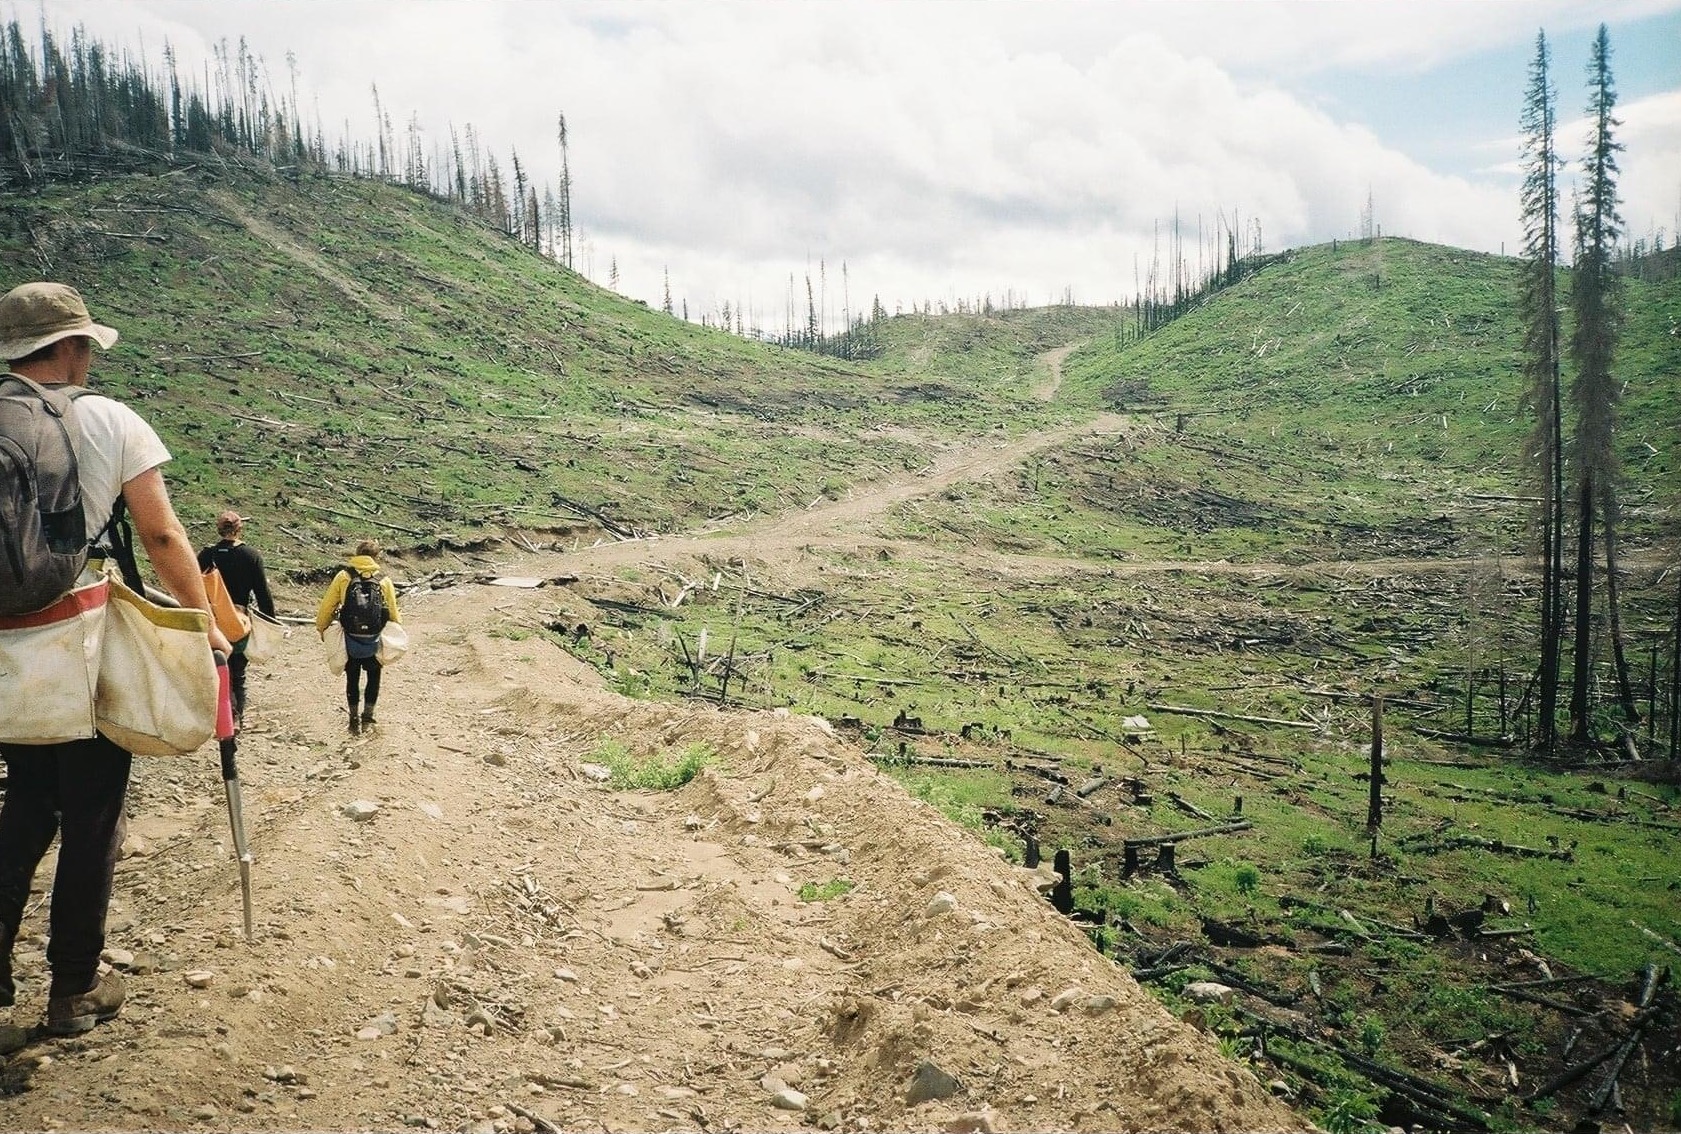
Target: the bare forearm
pixel 171 556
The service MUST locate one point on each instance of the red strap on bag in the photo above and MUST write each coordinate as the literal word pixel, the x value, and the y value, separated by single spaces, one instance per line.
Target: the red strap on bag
pixel 78 601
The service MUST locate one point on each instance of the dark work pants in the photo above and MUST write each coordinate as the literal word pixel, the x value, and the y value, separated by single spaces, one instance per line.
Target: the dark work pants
pixel 76 791
pixel 236 683
pixel 353 669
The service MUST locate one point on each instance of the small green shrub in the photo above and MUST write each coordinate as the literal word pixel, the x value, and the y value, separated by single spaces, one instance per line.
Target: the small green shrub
pixel 824 891
pixel 1247 878
pixel 1348 1111
pixel 1370 1034
pixel 1316 846
pixel 652 772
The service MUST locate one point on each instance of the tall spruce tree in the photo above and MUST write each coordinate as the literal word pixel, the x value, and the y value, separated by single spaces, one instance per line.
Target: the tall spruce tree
pixel 1541 367
pixel 1595 296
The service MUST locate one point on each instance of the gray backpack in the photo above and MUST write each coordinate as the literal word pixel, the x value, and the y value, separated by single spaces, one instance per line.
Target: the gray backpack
pixel 43 536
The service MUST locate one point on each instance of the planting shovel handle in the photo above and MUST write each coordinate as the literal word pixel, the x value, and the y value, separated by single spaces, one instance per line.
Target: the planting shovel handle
pixel 226 731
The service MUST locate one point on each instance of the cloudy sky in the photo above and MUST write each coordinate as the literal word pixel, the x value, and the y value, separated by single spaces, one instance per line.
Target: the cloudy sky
pixel 958 149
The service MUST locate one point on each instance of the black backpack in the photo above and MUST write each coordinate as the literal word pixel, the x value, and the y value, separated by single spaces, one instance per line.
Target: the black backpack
pixel 363 611
pixel 43 536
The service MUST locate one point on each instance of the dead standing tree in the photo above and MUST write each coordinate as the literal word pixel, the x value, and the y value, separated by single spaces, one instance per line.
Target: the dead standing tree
pixel 1541 370
pixel 1595 298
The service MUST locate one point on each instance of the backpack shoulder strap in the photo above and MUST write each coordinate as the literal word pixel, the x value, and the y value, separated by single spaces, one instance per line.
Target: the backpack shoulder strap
pixel 122 545
pixel 48 398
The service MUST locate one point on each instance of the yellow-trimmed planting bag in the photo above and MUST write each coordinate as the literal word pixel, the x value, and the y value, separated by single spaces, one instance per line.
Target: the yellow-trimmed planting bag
pixel 157 677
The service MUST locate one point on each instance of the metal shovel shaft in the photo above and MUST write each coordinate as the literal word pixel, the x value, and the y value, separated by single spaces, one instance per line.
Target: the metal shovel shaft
pixel 226 731
pixel 236 819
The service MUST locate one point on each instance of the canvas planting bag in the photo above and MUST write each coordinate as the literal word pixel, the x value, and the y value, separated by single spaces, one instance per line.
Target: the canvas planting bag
pixel 266 635
pixel 231 619
pixel 49 668
pixel 337 656
pixel 157 677
pixel 393 643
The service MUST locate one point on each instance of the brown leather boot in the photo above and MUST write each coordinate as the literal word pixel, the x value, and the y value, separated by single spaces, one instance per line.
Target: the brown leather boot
pixel 70 1015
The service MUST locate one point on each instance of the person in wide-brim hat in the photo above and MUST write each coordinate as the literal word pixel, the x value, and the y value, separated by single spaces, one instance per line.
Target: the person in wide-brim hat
pixel 36 315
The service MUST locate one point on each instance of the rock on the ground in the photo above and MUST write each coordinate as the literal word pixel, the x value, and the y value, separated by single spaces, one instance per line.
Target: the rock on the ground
pixel 788 1099
pixel 360 810
pixel 983 1121
pixel 929 1083
pixel 1208 992
pixel 1065 999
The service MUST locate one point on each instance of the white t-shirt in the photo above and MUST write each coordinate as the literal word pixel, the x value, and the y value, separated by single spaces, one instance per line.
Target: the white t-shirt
pixel 113 446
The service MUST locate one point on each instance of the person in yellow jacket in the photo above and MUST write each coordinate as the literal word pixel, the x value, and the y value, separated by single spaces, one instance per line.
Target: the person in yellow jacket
pixel 362 599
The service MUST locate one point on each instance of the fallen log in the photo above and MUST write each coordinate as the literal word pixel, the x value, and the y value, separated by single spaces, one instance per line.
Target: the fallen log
pixel 1607 1089
pixel 1180 710
pixel 1165 845
pixel 1051 774
pixel 934 761
pixel 1160 840
pixel 1518 993
pixel 1420 1092
pixel 1568 1076
pixel 586 511
pixel 358 519
pixel 1465 738
pixel 1495 846
pixel 1188 807
pixel 1549 982
pixel 1663 941
pixel 1228 975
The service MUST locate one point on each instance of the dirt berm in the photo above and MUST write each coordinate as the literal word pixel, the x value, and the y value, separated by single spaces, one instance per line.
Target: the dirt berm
pixel 507 943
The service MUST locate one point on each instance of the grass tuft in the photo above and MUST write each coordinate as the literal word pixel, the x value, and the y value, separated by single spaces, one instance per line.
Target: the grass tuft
pixel 825 891
pixel 652 771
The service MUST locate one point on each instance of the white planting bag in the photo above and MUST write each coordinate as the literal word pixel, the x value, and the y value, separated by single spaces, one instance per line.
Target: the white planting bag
pixel 157 677
pixel 393 643
pixel 265 637
pixel 49 668
pixel 333 638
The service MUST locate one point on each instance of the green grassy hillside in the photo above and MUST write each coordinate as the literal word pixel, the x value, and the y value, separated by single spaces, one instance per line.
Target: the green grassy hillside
pixel 1355 388
pixel 343 357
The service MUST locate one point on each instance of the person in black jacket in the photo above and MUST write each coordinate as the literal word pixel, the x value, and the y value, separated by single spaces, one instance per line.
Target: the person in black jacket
pixel 242 573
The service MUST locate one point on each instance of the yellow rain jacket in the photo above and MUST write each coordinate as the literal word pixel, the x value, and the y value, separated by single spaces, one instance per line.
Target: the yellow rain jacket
pixel 366 566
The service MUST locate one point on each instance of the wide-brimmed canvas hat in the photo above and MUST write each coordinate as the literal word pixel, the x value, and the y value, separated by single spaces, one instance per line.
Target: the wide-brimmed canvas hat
pixel 34 315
